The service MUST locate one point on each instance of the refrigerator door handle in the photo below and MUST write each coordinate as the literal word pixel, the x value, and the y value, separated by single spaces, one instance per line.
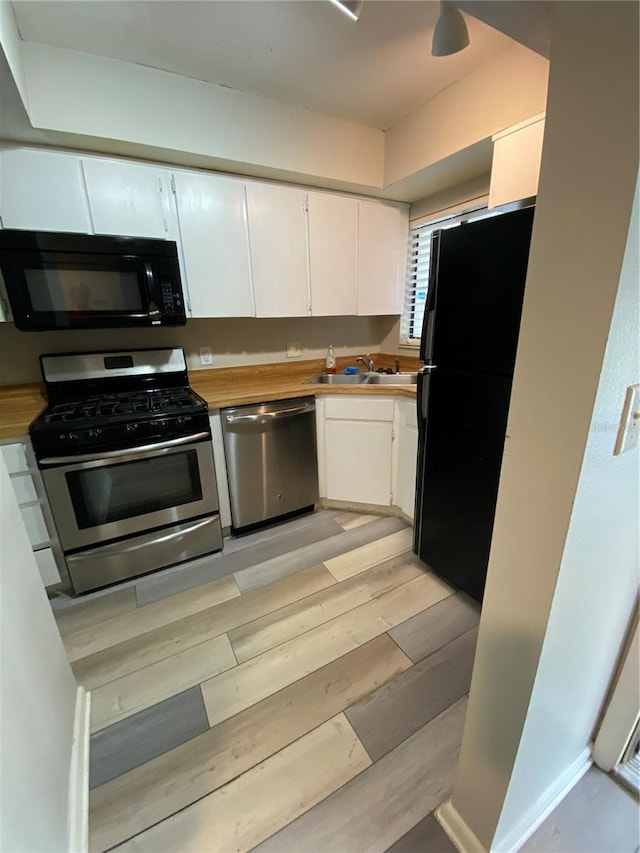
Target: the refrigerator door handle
pixel 421 399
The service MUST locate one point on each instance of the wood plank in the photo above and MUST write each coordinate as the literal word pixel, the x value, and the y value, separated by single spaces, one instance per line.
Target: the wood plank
pixel 135 622
pixel 360 559
pixel 143 736
pixel 319 552
pixel 427 836
pixel 255 679
pixel 426 632
pixel 161 643
pixel 402 706
pixel 271 630
pixel 86 613
pixel 233 560
pixel 139 799
pixel 261 801
pixel 349 520
pixel 141 689
pixel 278 528
pixel 383 803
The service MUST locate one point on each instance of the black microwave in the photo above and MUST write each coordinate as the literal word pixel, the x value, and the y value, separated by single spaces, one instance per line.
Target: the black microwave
pixel 80 281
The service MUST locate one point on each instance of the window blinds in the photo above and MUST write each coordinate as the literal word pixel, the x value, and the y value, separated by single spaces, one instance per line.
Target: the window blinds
pixel 418 266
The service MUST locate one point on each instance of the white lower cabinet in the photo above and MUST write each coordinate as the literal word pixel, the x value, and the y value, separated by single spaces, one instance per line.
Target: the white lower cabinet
pixel 357 445
pixel 32 507
pixel 367 450
pixel 405 456
pixel 220 463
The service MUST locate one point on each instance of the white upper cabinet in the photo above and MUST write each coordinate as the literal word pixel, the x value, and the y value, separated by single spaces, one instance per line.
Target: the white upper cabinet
pixel 333 254
pixel 215 243
pixel 42 191
pixel 515 169
pixel 129 200
pixel 383 231
pixel 279 250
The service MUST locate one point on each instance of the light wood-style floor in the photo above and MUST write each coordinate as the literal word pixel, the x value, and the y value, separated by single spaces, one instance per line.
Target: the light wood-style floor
pixel 305 690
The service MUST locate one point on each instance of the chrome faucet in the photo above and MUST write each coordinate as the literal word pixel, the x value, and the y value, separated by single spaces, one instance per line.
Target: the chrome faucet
pixel 366 360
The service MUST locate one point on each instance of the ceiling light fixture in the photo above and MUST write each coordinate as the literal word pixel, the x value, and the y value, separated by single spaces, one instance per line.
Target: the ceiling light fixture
pixel 450 34
pixel 352 8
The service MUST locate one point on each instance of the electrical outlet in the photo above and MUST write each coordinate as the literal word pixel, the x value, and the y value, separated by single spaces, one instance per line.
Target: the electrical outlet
pixel 629 429
pixel 206 357
pixel 293 349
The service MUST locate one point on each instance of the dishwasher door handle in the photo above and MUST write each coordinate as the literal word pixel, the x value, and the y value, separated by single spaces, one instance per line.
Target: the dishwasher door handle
pixel 265 417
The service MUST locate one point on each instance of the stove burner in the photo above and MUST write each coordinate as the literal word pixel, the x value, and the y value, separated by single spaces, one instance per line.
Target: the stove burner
pixel 118 405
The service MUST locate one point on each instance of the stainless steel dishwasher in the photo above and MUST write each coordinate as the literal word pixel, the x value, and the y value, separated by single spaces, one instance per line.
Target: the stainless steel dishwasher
pixel 272 466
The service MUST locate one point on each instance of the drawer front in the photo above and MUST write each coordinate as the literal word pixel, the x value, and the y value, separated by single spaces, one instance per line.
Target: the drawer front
pixel 359 408
pixel 24 488
pixel 35 524
pixel 47 566
pixel 15 458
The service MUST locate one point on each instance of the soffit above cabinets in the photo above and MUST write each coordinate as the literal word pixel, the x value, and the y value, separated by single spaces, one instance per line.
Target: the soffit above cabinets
pixel 373 72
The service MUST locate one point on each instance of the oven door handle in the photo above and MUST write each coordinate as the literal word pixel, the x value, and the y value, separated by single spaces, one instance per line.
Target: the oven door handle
pixel 129 451
pixel 159 539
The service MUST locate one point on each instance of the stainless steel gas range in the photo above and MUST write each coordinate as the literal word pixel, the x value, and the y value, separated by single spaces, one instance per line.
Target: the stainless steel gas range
pixel 125 451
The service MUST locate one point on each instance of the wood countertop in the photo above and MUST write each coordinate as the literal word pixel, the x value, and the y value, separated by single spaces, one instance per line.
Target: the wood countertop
pixel 220 387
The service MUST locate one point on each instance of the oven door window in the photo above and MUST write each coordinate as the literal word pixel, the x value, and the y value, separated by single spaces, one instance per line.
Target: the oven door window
pixel 111 493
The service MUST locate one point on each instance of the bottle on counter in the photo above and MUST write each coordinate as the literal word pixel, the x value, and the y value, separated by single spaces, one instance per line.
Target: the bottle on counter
pixel 330 360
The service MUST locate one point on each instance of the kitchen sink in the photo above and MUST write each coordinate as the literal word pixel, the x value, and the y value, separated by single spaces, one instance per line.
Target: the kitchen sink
pixel 338 379
pixel 364 379
pixel 392 378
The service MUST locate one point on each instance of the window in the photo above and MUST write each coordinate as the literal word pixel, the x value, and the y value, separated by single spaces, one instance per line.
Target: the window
pixel 418 265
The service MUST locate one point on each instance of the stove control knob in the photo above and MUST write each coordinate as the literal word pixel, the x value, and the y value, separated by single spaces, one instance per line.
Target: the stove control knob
pixel 132 427
pixel 62 436
pixel 94 433
pixel 73 436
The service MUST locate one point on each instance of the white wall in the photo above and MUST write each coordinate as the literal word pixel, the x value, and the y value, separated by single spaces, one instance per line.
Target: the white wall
pixel 500 93
pixel 37 699
pixel 233 342
pixel 587 181
pixel 598 580
pixel 79 93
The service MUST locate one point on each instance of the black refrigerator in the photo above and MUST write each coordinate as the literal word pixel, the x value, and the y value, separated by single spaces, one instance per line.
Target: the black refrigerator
pixel 469 341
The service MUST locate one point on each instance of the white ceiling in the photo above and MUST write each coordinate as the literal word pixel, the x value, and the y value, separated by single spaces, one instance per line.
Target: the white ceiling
pixel 304 52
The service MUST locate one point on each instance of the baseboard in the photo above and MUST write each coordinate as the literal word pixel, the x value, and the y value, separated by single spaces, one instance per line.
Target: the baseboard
pixel 79 776
pixel 458 831
pixel 546 803
pixel 367 509
pixel 464 839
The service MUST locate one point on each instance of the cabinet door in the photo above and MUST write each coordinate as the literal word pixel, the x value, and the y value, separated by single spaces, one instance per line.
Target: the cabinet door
pixel 42 191
pixel 383 232
pixel 406 449
pixel 358 461
pixel 515 169
pixel 215 245
pixel 279 253
pixel 129 200
pixel 333 254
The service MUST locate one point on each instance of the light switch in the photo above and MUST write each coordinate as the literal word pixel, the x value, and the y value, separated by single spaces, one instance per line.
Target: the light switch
pixel 293 349
pixel 629 428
